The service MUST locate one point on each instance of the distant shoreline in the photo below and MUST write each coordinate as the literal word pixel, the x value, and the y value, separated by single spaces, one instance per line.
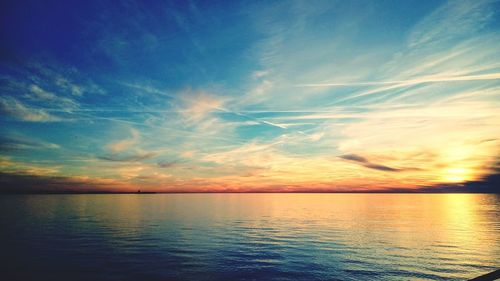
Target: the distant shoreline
pixel 237 192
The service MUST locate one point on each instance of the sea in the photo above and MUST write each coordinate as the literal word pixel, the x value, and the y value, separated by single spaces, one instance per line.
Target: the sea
pixel 249 236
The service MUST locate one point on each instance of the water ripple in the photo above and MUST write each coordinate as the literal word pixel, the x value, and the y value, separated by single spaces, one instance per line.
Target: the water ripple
pixel 250 237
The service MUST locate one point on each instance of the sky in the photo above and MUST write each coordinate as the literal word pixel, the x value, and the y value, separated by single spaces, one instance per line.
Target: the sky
pixel 237 96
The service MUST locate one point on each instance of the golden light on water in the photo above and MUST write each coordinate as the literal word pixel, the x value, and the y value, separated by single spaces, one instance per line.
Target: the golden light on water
pixel 417 236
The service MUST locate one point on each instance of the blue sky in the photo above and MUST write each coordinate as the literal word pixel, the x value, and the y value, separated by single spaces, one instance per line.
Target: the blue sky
pixel 248 95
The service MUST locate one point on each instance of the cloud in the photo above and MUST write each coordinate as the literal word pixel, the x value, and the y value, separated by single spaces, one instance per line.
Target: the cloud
pixel 73 88
pixel 39 94
pixel 131 157
pixel 125 144
pixel 121 145
pixel 199 114
pixel 127 150
pixel 405 83
pixel 60 79
pixel 259 74
pixel 197 106
pixel 153 178
pixel 148 89
pixel 167 164
pixel 42 94
pixel 29 183
pixel 451 20
pixel 18 110
pixel 10 143
pixel 200 107
pixel 7 165
pixel 244 154
pixel 257 120
pixel 382 167
pixel 354 157
pixel 446 46
pixel 365 163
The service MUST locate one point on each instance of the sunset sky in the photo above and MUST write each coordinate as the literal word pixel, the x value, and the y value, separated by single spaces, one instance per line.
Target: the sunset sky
pixel 248 95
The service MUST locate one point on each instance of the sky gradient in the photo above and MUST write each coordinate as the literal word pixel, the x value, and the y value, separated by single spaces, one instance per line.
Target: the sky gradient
pixel 238 96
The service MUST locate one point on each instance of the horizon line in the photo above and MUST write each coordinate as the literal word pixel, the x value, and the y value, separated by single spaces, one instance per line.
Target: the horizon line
pixel 246 192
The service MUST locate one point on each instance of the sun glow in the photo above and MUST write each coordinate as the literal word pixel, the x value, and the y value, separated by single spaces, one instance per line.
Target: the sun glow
pixel 456 175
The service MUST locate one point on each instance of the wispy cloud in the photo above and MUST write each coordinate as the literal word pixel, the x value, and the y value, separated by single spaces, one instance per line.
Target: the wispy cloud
pixel 195 106
pixel 10 143
pixel 51 99
pixel 148 89
pixel 10 166
pixel 64 83
pixel 20 111
pixel 404 83
pixel 450 21
pixel 67 81
pixel 122 145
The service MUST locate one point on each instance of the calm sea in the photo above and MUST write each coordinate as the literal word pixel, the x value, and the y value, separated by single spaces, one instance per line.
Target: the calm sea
pixel 249 236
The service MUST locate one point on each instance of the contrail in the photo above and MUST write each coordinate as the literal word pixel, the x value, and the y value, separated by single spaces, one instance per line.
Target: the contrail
pixel 261 121
pixel 491 76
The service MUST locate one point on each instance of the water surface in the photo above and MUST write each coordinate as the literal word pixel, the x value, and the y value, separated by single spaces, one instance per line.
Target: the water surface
pixel 249 236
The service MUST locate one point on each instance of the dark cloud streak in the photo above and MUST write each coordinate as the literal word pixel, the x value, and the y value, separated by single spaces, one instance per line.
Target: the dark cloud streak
pixel 168 164
pixel 382 168
pixel 16 144
pixel 366 163
pixel 129 157
pixel 26 183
